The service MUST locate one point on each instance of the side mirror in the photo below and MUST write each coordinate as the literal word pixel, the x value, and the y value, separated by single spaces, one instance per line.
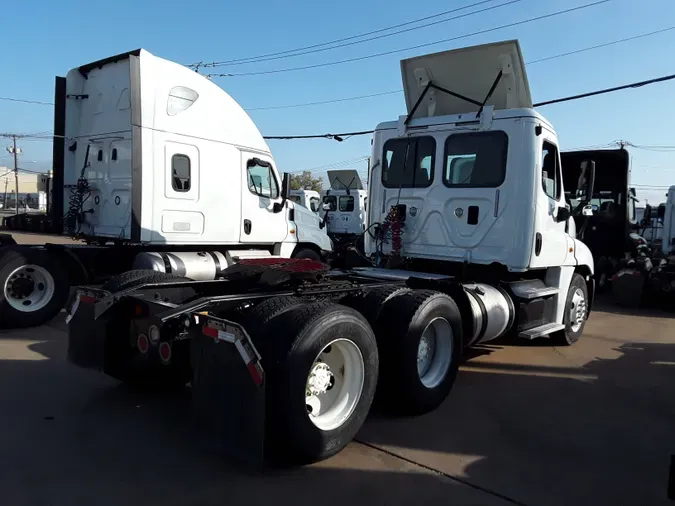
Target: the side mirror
pixel 586 181
pixel 587 211
pixel 285 193
pixel 326 207
pixel 563 214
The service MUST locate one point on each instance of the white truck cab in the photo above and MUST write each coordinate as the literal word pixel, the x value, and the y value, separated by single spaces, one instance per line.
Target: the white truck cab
pixel 471 178
pixel 345 203
pixel 161 168
pixel 309 199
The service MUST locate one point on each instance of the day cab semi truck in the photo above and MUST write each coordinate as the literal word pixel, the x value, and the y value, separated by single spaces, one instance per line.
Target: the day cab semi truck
pixel 151 179
pixel 472 240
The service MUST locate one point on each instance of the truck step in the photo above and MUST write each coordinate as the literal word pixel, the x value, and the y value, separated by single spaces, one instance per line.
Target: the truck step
pixel 542 330
pixel 535 293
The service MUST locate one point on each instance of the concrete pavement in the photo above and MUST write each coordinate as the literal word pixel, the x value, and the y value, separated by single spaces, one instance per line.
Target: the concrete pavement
pixel 534 425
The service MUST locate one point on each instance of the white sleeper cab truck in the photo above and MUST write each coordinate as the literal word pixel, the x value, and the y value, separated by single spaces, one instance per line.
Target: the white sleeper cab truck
pixel 158 169
pixel 472 240
pixel 345 206
pixel 310 199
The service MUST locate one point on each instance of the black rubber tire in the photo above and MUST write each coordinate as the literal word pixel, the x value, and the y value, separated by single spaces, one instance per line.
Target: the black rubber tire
pixel 567 336
pixel 370 303
pixel 10 259
pixel 289 343
pixel 120 363
pixel 307 253
pixel 400 325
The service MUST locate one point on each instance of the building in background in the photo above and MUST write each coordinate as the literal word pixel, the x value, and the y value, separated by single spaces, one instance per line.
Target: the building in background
pixel 33 190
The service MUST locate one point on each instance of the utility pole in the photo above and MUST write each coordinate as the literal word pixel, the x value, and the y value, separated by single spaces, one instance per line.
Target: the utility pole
pixel 16 152
pixel 16 172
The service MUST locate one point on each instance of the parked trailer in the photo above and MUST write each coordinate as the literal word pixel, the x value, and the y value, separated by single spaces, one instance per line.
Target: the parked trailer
pixel 472 240
pixel 150 178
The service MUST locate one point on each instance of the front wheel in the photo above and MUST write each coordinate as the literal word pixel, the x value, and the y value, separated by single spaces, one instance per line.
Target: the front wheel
pixel 575 313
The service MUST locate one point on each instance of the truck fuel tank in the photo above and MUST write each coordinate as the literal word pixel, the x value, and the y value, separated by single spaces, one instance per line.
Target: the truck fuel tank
pixel 197 265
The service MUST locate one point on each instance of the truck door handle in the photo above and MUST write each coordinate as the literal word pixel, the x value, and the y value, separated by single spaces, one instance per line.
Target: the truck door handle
pixel 247 227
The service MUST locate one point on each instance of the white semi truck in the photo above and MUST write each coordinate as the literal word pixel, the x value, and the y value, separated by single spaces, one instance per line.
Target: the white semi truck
pixel 472 240
pixel 156 168
pixel 310 199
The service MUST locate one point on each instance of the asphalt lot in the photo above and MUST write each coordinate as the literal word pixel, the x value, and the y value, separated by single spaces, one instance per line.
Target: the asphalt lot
pixel 534 425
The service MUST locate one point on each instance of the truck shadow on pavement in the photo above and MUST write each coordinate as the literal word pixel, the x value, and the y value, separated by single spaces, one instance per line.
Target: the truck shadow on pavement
pixel 514 433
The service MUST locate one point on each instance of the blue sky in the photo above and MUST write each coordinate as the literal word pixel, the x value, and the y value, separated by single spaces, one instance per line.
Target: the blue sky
pixel 48 38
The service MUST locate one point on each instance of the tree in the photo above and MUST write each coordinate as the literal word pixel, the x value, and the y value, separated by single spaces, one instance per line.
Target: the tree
pixel 306 181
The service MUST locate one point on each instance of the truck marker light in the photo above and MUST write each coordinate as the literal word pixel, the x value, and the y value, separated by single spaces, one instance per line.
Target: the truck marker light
pixel 142 343
pixel 165 352
pixel 87 299
pixel 154 334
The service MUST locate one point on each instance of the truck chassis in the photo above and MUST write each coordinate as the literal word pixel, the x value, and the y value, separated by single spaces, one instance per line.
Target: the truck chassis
pixel 251 343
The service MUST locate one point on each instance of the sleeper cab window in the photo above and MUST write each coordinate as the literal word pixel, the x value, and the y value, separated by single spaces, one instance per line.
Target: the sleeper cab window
pixel 180 99
pixel 331 201
pixel 180 173
pixel 476 159
pixel 409 162
pixel 261 179
pixel 314 204
pixel 346 203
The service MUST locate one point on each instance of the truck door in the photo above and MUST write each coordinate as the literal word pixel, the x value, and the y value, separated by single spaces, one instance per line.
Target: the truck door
pixel 260 190
pixel 550 247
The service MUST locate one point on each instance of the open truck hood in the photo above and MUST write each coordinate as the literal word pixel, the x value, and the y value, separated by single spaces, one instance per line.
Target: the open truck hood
pixel 343 179
pixel 469 72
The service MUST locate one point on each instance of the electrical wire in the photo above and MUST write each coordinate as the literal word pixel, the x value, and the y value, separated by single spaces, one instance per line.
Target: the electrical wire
pixel 427 44
pixel 480 11
pixel 37 102
pixel 335 41
pixel 638 84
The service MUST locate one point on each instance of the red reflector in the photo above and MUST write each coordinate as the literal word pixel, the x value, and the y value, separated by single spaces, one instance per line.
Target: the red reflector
pixel 87 299
pixel 255 373
pixel 143 343
pixel 637 273
pixel 615 277
pixel 165 352
pixel 210 331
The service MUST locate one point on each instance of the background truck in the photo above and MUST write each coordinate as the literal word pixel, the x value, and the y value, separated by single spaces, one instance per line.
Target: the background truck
pixel 152 178
pixel 345 208
pixel 611 231
pixel 309 199
pixel 286 356
pixel 649 279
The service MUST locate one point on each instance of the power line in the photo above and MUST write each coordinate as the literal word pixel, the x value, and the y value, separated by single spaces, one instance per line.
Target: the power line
pixel 534 62
pixel 343 39
pixel 38 102
pixel 385 53
pixel 352 43
pixel 340 136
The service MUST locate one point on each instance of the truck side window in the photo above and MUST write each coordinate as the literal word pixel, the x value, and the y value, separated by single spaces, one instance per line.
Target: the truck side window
pixel 295 198
pixel 180 171
pixel 346 204
pixel 261 180
pixel 408 163
pixel 331 201
pixel 550 170
pixel 476 159
pixel 314 204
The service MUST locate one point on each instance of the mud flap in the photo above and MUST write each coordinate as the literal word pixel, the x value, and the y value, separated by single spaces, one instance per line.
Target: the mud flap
pixel 86 335
pixel 228 390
